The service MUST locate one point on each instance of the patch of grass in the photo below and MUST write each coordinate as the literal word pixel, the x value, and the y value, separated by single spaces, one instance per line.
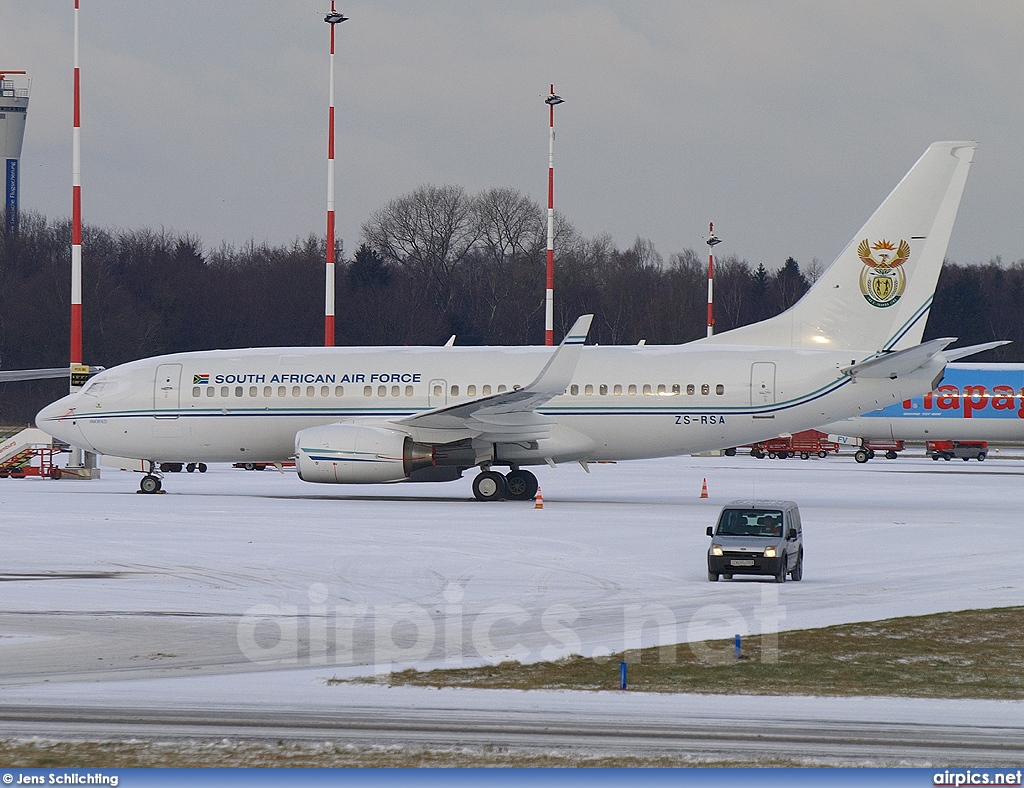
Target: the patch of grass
pixel 968 654
pixel 43 754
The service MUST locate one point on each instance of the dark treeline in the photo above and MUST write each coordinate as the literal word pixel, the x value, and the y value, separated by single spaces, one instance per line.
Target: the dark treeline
pixel 432 263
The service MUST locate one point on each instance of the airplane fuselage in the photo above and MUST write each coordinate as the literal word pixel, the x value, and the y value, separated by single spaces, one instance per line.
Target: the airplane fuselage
pixel 624 402
pixel 974 402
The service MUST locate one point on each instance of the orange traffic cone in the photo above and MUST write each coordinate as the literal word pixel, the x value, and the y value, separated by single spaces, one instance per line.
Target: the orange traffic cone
pixel 539 499
pixel 704 488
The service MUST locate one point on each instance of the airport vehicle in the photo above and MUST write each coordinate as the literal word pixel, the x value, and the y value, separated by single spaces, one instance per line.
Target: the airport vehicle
pixel 867 449
pixel 757 538
pixel 178 467
pixel 802 444
pixel 974 402
pixel 965 450
pixel 381 415
pixel 30 452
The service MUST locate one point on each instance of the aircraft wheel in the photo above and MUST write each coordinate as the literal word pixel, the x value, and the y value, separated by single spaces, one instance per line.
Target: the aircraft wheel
pixel 521 485
pixel 190 468
pixel 201 467
pixel 150 484
pixel 489 486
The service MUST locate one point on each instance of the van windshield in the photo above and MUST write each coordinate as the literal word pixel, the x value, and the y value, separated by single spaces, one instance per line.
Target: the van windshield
pixel 750 522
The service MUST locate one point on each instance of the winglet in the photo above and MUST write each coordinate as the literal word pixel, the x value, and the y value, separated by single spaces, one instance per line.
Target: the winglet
pixel 557 374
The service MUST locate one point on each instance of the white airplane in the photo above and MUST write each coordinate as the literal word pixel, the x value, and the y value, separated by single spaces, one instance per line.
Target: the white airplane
pixel 372 415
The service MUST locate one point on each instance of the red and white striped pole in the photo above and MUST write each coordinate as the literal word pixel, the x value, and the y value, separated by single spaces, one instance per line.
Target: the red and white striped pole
pixel 333 18
pixel 712 241
pixel 549 294
pixel 76 220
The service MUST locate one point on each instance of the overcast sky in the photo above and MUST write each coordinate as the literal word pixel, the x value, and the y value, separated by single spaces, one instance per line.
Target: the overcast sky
pixel 786 123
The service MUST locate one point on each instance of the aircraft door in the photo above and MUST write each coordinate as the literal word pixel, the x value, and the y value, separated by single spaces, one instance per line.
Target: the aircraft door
pixel 167 389
pixel 762 383
pixel 437 393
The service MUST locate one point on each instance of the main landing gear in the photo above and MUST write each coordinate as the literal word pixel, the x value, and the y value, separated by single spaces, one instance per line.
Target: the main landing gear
pixel 516 485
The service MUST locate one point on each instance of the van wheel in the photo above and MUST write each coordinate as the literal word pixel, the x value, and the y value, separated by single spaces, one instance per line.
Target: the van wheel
pixel 727 577
pixel 798 570
pixel 981 456
pixel 780 577
pixel 712 576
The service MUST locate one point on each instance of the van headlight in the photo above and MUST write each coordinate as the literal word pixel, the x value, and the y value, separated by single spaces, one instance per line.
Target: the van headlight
pixel 769 551
pixel 716 549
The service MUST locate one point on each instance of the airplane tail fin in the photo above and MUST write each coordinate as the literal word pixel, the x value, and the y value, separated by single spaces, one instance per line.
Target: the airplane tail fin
pixel 877 294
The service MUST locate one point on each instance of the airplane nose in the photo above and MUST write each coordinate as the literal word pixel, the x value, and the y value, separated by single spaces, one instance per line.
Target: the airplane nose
pixel 60 420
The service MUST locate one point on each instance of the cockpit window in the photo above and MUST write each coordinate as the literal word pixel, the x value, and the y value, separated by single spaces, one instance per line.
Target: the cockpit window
pixel 98 386
pixel 750 522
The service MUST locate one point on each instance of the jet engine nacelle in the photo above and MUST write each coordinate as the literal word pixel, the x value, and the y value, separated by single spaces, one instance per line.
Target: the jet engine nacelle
pixel 357 454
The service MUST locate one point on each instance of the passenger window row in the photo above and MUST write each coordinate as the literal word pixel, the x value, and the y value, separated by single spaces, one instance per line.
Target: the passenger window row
pixel 296 391
pixel 588 390
pixel 648 389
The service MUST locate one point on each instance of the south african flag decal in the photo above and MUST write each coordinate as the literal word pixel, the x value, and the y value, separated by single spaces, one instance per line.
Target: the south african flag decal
pixel 198 380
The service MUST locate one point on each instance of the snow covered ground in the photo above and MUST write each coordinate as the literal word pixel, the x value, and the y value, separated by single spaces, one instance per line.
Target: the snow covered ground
pixel 233 572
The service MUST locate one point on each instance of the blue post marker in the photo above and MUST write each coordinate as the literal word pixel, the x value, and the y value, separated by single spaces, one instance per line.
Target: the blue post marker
pixel 622 675
pixel 739 650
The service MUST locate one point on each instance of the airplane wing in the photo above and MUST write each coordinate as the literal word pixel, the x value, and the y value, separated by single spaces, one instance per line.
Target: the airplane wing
pixel 34 374
pixel 511 416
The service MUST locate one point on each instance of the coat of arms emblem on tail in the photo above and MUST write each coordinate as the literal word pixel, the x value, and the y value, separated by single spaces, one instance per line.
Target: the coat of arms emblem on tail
pixel 882 281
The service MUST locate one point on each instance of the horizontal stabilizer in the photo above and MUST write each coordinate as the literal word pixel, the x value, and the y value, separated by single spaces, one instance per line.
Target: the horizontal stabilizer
pixel 900 362
pixel 957 353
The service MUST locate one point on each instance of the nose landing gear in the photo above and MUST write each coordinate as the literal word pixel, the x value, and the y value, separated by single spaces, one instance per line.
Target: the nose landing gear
pixel 152 482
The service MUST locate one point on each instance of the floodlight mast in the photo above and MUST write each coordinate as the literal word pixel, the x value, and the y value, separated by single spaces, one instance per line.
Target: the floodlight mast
pixel 549 293
pixel 333 18
pixel 712 242
pixel 76 220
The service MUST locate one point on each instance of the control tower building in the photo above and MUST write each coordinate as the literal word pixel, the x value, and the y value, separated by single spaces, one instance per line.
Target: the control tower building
pixel 14 90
